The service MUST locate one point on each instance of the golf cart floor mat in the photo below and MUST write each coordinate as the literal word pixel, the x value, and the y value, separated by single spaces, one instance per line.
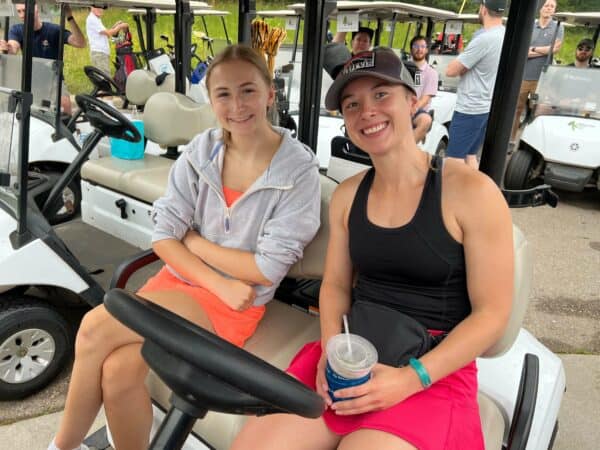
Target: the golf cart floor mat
pixel 98 440
pixel 101 253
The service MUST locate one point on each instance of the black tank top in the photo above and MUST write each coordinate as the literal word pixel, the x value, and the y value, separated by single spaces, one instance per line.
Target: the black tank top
pixel 418 268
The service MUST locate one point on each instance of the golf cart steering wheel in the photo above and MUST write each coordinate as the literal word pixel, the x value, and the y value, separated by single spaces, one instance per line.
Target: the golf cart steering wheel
pixel 107 119
pixel 102 82
pixel 204 369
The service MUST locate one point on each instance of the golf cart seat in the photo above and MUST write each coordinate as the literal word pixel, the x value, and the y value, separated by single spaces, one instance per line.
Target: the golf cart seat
pixel 284 330
pixel 172 119
pixel 142 84
pixel 117 194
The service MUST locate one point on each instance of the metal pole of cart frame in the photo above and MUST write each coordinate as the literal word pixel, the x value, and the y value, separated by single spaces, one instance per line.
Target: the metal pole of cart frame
pixel 22 234
pixel 183 20
pixel 316 13
pixel 58 67
pixel 246 14
pixel 508 82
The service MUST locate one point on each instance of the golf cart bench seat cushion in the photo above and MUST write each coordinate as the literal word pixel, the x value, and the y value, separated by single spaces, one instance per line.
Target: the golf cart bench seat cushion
pixel 284 330
pixel 281 333
pixel 144 179
pixel 172 119
pixel 141 85
pixel 492 422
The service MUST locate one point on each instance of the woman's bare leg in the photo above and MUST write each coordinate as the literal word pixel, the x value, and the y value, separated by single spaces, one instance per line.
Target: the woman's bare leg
pixel 285 432
pixel 126 399
pixel 365 438
pixel 99 335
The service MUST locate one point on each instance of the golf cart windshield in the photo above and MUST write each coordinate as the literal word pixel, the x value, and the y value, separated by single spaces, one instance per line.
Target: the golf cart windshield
pixel 440 63
pixel 569 91
pixel 44 78
pixel 9 154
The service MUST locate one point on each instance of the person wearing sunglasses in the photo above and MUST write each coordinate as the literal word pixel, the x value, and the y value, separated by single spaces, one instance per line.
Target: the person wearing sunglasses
pixel 426 88
pixel 583 54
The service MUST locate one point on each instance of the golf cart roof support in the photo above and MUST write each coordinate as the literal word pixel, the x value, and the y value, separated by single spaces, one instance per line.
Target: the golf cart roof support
pixel 227 39
pixel 138 26
pixel 22 235
pixel 508 83
pixel 296 36
pixel 183 20
pixel 596 35
pixel 315 22
pixel 58 66
pixel 429 29
pixel 150 19
pixel 246 14
pixel 392 30
pixel 210 47
pixel 378 29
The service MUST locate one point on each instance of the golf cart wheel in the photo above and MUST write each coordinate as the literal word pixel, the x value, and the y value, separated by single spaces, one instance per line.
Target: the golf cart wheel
pixel 35 343
pixel 518 170
pixel 70 205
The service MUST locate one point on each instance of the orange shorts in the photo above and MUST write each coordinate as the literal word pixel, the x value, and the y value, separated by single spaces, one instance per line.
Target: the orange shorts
pixel 233 326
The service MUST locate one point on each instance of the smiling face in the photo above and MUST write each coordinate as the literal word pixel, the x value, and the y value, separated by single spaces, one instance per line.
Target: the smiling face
pixel 240 97
pixel 377 114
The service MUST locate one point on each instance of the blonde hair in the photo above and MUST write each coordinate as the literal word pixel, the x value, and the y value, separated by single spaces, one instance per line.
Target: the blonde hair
pixel 239 52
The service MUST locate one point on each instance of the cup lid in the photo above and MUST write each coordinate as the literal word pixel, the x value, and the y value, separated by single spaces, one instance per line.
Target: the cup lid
pixel 360 356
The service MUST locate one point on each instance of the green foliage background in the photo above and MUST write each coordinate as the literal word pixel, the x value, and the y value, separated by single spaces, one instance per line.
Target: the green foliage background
pixel 76 59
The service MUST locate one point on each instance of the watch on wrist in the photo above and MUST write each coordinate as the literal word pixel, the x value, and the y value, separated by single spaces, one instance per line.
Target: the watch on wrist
pixel 533 49
pixel 70 18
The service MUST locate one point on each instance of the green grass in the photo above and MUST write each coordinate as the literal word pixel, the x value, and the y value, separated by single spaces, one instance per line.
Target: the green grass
pixel 75 59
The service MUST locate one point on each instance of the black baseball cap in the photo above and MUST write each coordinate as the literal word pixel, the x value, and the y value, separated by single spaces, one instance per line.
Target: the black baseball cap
pixel 367 30
pixel 586 41
pixel 380 62
pixel 494 5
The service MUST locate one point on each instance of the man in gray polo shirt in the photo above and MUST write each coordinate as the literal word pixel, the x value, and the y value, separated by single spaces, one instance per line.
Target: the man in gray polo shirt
pixel 544 30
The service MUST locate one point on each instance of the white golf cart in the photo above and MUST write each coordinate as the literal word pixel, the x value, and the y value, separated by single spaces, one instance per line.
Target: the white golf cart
pixel 515 412
pixel 330 122
pixel 561 134
pixel 53 144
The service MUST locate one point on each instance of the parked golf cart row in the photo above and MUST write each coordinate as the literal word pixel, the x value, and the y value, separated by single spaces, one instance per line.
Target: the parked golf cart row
pixel 561 130
pixel 56 140
pixel 32 244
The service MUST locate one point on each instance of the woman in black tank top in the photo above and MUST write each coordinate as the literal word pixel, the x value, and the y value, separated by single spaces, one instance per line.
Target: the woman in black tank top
pixel 429 238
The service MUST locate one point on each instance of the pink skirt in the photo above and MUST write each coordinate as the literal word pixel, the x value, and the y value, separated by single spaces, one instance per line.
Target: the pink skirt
pixel 443 417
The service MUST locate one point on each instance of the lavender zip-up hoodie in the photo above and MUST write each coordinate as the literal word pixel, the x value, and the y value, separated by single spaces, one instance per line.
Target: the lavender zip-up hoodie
pixel 275 218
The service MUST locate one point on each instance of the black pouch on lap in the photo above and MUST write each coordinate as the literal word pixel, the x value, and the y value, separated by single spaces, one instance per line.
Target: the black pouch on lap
pixel 396 336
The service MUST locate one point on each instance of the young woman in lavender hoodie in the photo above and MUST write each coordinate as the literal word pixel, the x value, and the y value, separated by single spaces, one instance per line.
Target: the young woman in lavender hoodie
pixel 241 203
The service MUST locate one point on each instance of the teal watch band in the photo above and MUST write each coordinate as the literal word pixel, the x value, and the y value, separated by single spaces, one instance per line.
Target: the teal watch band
pixel 421 372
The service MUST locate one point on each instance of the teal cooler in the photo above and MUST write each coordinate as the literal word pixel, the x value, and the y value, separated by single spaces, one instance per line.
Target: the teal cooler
pixel 120 148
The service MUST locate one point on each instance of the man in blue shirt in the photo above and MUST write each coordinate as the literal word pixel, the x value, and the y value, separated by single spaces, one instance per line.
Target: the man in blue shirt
pixel 45 41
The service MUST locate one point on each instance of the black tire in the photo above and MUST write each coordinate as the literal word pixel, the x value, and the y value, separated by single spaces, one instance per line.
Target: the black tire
pixel 71 204
pixel 518 170
pixel 31 333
